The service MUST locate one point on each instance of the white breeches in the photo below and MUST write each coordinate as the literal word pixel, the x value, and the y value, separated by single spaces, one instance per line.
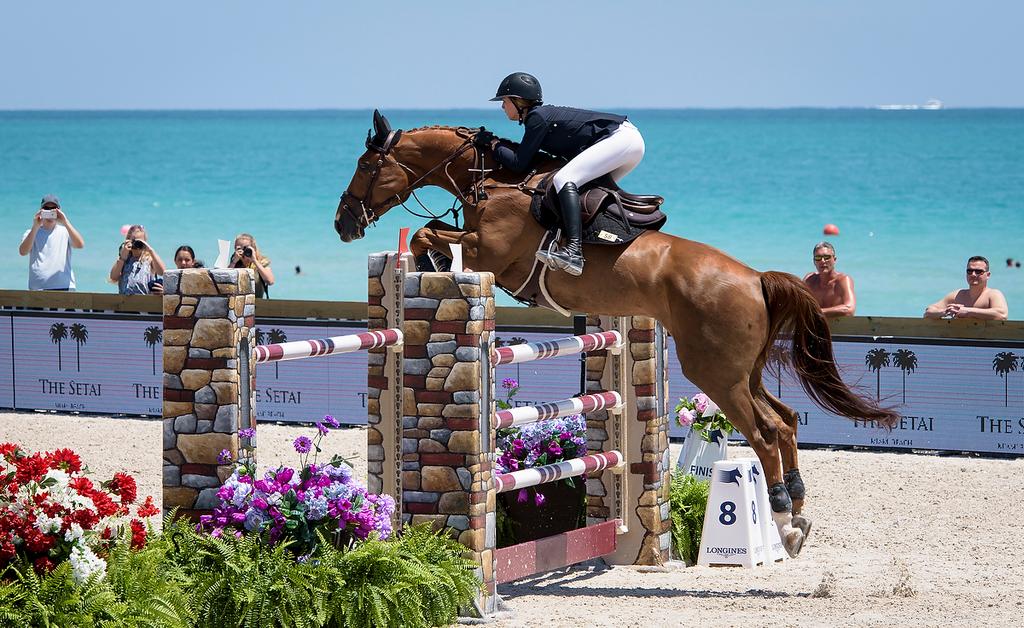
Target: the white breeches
pixel 616 155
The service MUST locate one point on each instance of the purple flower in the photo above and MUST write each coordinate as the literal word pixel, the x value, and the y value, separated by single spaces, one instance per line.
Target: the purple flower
pixel 224 456
pixel 249 432
pixel 538 498
pixel 522 496
pixel 284 474
pixel 331 421
pixel 320 427
pixel 303 444
pixel 509 383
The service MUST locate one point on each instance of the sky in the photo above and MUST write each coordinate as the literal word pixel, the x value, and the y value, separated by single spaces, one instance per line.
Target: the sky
pixel 313 54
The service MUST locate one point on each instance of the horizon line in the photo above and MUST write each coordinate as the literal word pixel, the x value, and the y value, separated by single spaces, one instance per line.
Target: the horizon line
pixel 482 108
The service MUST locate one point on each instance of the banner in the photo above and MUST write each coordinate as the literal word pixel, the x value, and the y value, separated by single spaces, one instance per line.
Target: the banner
pixel 952 394
pixel 88 363
pixel 6 363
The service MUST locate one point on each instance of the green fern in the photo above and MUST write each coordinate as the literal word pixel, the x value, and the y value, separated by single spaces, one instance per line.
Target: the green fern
pixel 689 500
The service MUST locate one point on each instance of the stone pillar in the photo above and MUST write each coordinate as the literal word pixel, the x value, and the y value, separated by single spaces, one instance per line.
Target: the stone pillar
pixel 385 399
pixel 447 437
pixel 208 386
pixel 640 495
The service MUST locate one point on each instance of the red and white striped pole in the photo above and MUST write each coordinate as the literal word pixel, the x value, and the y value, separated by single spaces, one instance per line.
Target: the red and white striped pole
pixel 328 346
pixel 524 478
pixel 514 354
pixel 545 411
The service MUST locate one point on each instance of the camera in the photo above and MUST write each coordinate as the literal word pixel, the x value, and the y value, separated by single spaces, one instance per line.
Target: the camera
pixel 155 281
pixel 48 214
pixel 247 251
pixel 138 244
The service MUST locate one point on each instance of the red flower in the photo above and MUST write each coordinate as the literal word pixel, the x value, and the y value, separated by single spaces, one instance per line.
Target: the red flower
pixel 64 459
pixel 105 506
pixel 37 542
pixel 31 468
pixel 83 517
pixel 9 451
pixel 44 564
pixel 82 485
pixel 138 534
pixel 123 485
pixel 148 508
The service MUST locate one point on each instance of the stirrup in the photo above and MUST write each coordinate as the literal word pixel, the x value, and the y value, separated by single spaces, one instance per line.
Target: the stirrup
pixel 560 259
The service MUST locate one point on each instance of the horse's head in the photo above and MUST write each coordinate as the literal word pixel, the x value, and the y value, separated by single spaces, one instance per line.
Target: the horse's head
pixel 377 185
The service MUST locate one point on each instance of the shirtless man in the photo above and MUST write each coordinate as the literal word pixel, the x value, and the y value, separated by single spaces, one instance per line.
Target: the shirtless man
pixel 977 301
pixel 833 290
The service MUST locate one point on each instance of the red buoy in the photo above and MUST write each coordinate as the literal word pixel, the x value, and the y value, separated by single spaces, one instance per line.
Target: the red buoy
pixel 830 229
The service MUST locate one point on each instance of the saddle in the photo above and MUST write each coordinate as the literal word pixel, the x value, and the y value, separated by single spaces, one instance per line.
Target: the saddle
pixel 610 214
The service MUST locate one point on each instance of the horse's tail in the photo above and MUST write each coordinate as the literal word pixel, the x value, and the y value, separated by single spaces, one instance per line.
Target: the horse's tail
pixel 792 307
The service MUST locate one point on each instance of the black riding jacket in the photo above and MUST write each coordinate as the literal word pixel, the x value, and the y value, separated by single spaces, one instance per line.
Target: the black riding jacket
pixel 560 131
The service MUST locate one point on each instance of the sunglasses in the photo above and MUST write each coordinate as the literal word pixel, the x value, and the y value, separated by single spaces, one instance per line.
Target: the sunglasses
pixel 822 258
pixel 976 271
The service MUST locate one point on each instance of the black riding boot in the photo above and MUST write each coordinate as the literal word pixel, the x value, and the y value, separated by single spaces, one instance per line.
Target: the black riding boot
pixel 569 257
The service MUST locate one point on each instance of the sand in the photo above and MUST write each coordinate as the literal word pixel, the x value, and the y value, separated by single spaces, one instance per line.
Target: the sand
pixel 898 539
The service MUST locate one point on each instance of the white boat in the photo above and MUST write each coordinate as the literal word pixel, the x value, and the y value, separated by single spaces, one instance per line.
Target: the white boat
pixel 932 105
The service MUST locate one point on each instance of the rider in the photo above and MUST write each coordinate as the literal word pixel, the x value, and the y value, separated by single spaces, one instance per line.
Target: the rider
pixel 594 144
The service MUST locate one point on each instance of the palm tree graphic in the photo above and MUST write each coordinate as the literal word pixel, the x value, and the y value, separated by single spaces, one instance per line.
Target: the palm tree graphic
pixel 905 360
pixel 779 357
pixel 153 335
pixel 875 360
pixel 1005 363
pixel 276 336
pixel 81 336
pixel 261 337
pixel 58 334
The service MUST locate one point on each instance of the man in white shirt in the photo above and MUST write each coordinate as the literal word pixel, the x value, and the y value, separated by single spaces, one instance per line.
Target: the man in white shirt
pixel 50 241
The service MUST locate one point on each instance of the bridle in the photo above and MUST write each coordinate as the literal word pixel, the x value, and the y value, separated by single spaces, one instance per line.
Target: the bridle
pixel 365 214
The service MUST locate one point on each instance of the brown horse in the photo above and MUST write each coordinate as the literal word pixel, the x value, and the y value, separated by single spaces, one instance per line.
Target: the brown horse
pixel 723 315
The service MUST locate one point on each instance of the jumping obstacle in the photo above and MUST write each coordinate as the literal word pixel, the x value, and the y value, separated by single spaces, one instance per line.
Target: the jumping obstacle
pixel 433 446
pixel 318 347
pixel 210 357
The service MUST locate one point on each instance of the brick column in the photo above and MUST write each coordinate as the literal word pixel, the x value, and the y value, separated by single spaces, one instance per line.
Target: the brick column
pixel 640 496
pixel 208 381
pixel 446 437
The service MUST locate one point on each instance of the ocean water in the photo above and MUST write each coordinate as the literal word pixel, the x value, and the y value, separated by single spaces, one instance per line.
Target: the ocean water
pixel 914 192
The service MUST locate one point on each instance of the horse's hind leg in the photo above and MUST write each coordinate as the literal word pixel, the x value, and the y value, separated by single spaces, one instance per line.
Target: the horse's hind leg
pixel 788 450
pixel 762 432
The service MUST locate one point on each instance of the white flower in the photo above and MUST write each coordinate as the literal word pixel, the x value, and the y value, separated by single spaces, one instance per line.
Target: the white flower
pixel 74 533
pixel 84 563
pixel 47 524
pixel 61 477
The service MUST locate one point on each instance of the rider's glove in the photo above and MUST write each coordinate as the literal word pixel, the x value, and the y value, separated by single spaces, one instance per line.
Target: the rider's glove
pixel 483 138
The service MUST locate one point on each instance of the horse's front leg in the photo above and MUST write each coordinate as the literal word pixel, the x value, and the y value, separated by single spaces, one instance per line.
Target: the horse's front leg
pixel 431 238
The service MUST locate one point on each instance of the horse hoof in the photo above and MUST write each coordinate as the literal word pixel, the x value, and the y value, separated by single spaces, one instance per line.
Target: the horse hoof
pixel 803 523
pixel 793 541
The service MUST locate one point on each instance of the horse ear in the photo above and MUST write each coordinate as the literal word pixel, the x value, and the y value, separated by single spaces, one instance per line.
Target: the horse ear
pixel 381 126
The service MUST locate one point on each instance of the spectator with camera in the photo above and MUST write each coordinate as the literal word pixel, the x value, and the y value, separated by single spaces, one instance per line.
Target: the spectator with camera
pixel 247 255
pixel 138 268
pixel 48 244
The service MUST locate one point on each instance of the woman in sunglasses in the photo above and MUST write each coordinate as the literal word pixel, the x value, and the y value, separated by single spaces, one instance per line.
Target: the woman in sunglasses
pixel 832 289
pixel 977 301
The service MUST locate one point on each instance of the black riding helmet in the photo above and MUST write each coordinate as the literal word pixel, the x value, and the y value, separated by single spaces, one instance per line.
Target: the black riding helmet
pixel 520 85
